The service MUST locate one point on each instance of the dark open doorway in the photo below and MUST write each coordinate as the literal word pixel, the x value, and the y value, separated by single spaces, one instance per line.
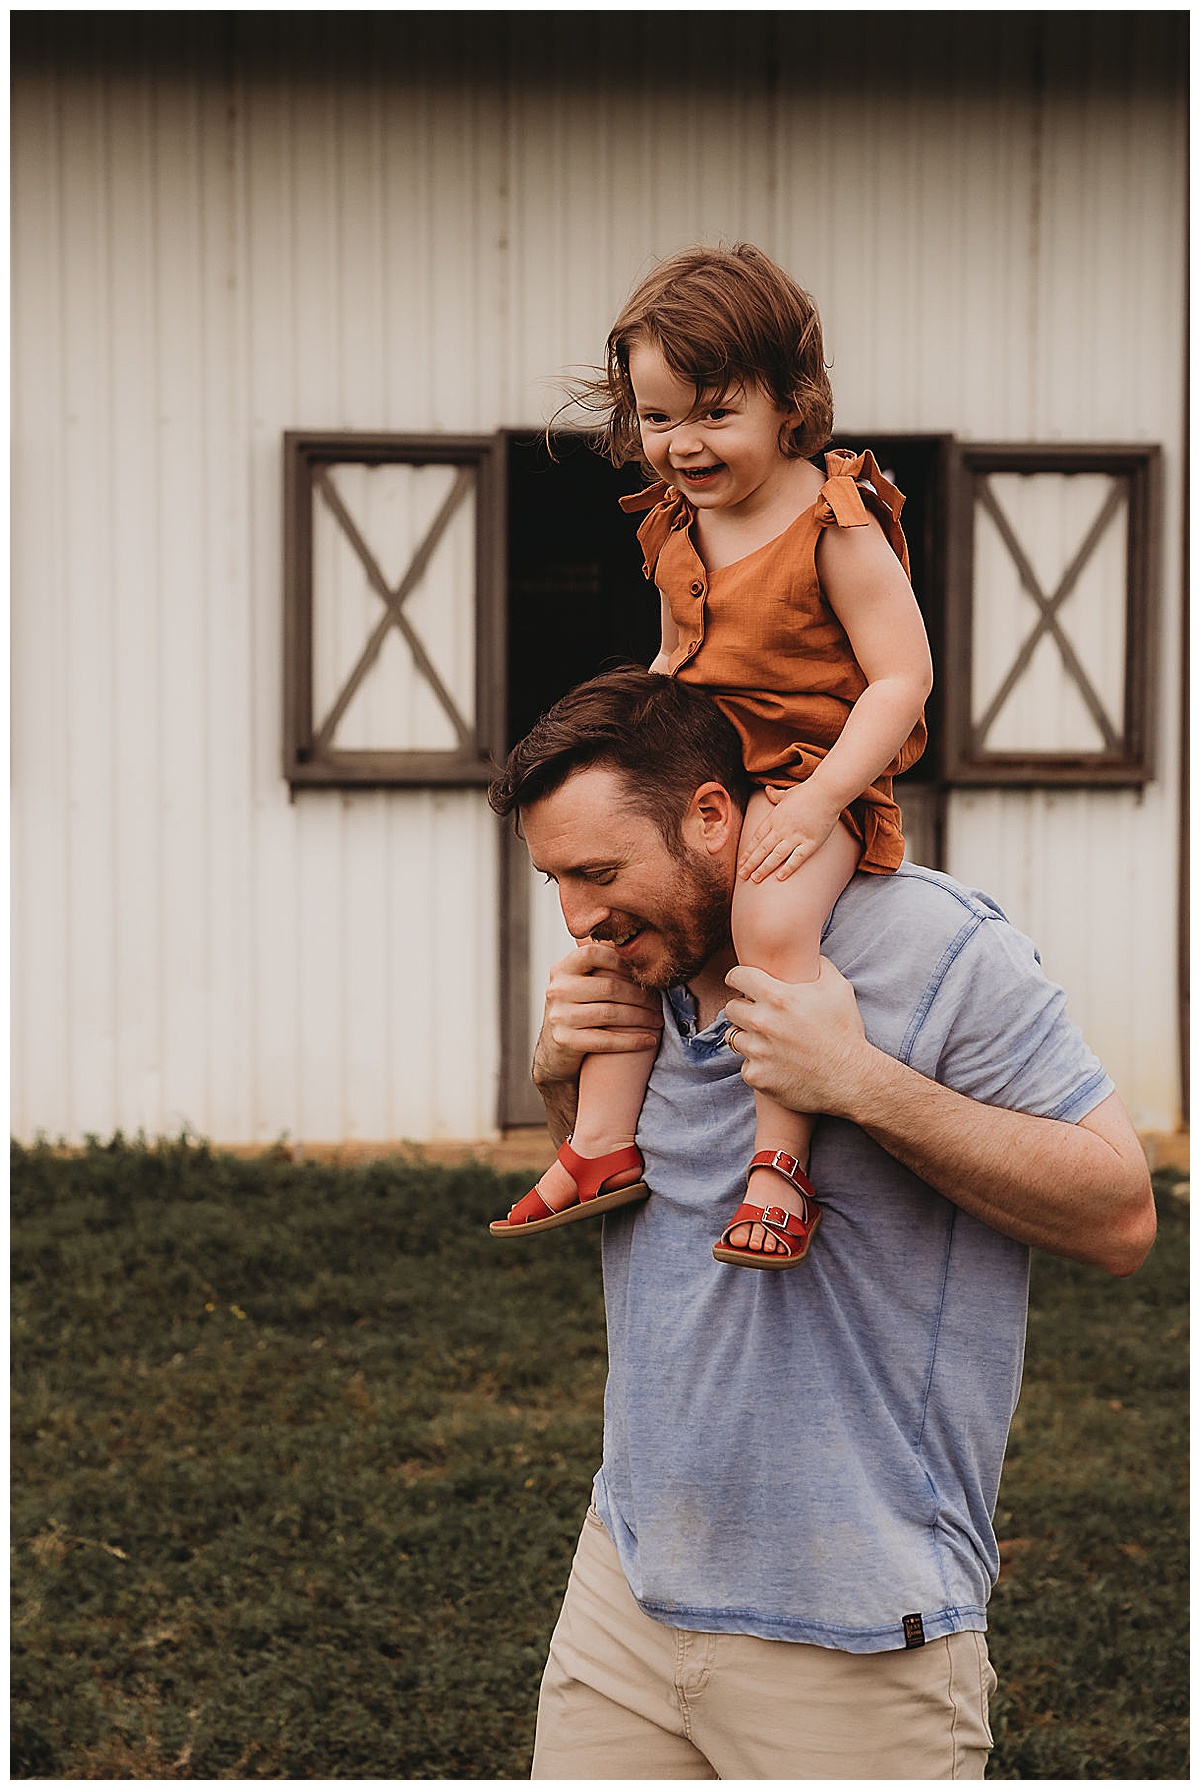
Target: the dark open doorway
pixel 577 597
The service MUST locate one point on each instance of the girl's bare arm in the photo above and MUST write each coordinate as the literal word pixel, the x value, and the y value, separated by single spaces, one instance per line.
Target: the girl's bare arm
pixel 873 600
pixel 670 638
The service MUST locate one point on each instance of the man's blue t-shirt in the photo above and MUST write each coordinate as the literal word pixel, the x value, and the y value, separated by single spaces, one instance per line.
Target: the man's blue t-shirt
pixel 815 1455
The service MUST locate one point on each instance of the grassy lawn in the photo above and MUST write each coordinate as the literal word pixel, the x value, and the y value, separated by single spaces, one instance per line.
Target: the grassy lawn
pixel 296 1484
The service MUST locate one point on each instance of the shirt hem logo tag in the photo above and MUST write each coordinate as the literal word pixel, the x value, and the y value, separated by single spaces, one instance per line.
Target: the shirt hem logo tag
pixel 914 1631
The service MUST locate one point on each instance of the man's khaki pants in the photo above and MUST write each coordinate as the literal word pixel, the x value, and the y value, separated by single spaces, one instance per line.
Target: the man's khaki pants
pixel 626 1697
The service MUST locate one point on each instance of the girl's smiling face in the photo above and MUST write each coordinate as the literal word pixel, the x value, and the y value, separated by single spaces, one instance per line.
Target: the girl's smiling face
pixel 721 453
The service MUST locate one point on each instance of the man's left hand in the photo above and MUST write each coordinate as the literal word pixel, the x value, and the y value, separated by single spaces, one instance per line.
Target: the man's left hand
pixel 803 1042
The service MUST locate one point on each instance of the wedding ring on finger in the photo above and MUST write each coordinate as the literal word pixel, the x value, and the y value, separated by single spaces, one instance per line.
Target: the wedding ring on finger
pixel 732 1033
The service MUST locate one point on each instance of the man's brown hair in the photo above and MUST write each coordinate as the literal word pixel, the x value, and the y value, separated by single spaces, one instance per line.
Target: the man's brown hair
pixel 662 738
pixel 721 318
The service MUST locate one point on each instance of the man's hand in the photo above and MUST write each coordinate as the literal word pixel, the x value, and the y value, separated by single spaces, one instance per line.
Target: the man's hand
pixel 592 1007
pixel 803 1042
pixel 801 823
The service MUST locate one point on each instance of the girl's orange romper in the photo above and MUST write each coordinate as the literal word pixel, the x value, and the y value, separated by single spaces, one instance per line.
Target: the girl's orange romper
pixel 761 638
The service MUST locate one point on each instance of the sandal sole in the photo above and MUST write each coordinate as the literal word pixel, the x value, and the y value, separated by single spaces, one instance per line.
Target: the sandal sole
pixel 754 1258
pixel 603 1202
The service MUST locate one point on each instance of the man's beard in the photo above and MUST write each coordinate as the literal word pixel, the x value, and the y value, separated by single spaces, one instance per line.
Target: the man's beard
pixel 692 925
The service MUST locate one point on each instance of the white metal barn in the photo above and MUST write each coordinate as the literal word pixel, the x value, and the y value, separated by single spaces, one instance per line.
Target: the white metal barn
pixel 293 294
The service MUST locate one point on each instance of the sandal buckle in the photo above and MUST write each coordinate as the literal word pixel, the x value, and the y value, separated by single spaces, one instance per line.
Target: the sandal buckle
pixel 787 1165
pixel 775 1215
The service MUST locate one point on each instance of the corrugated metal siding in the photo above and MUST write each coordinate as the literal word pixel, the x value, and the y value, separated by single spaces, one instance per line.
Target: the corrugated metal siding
pixel 247 223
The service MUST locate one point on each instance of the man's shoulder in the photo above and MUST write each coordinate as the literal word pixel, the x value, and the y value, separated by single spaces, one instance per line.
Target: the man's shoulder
pixel 945 982
pixel 903 939
pixel 912 896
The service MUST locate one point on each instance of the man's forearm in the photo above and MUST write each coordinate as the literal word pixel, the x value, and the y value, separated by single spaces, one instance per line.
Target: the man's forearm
pixel 1078 1190
pixel 560 1104
pixel 561 1101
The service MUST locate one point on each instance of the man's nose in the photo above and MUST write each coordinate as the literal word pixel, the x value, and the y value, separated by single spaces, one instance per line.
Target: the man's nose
pixel 581 912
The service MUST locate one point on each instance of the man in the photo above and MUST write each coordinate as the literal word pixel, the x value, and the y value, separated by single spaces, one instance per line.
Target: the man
pixel 785 1570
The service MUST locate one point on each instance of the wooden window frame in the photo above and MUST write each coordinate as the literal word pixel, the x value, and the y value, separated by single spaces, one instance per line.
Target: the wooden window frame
pixel 966 764
pixel 308 761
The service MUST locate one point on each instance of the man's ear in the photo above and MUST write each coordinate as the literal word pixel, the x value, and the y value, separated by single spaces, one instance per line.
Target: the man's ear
pixel 713 819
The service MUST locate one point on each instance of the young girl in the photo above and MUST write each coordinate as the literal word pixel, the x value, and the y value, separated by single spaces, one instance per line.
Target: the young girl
pixel 784 592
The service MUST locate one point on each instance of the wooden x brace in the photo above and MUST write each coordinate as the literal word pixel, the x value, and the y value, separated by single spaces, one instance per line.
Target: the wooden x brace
pixel 393 601
pixel 1048 607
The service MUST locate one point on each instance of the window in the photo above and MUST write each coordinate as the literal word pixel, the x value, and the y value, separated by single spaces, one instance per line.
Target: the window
pixel 1050 616
pixel 394 609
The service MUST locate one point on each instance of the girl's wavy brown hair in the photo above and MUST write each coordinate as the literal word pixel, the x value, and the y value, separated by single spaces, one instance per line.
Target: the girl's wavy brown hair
pixel 721 318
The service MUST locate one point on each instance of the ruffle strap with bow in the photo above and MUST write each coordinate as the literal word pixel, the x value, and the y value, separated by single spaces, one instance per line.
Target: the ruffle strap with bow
pixel 669 510
pixel 854 479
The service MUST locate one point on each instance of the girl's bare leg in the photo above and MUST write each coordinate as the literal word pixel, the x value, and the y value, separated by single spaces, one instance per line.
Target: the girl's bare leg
pixel 611 1091
pixel 777 927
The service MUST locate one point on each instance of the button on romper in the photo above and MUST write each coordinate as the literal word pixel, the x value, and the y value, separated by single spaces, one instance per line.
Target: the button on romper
pixel 761 638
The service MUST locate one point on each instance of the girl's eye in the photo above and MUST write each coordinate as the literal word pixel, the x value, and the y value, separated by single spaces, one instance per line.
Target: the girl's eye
pixel 716 413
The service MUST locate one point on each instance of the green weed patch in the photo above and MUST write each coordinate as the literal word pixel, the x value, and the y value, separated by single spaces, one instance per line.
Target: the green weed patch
pixel 1089 1623
pixel 300 1456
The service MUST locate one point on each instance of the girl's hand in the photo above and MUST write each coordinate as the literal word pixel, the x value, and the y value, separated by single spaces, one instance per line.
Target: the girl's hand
pixel 800 825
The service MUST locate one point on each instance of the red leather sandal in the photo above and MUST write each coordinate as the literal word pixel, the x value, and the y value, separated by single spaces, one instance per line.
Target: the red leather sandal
pixel 591 1175
pixel 794 1231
